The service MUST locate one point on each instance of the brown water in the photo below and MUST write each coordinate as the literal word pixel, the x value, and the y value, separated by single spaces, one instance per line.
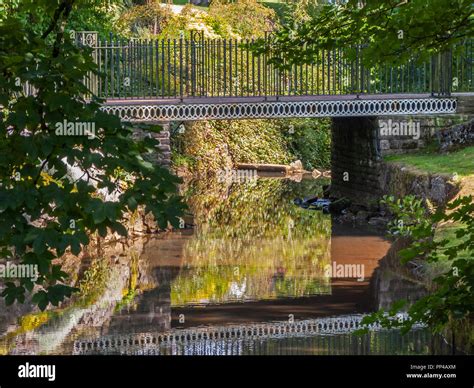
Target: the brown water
pixel 250 277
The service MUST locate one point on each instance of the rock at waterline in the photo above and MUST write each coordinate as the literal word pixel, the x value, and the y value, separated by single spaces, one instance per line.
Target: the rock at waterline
pixel 380 222
pixel 294 168
pixel 313 203
pixel 339 205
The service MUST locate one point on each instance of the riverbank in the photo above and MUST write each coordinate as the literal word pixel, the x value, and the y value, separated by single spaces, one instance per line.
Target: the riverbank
pixel 435 178
pixel 204 148
pixel 456 166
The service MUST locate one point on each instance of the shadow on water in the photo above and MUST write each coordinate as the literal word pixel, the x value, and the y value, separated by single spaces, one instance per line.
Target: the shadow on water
pixel 255 275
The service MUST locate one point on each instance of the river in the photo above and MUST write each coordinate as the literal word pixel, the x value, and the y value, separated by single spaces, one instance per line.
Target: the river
pixel 250 272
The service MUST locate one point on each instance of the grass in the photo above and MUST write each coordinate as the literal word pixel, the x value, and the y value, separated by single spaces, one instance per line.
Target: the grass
pixel 277 5
pixel 448 232
pixel 459 162
pixel 185 2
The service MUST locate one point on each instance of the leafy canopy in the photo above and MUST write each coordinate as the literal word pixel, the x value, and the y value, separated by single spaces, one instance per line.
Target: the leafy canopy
pixel 55 190
pixel 451 299
pixel 391 31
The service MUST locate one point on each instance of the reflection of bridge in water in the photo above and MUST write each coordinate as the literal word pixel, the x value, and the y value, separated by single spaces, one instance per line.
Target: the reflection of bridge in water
pixel 322 335
pixel 150 325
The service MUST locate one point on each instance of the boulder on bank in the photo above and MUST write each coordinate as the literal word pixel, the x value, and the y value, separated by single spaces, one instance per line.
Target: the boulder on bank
pixel 400 181
pixel 456 136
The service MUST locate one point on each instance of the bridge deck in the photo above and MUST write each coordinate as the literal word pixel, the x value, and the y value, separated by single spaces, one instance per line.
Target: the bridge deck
pixel 261 99
pixel 221 108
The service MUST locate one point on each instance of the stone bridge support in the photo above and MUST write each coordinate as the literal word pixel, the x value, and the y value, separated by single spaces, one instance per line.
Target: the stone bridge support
pixel 359 143
pixel 163 155
pixel 356 159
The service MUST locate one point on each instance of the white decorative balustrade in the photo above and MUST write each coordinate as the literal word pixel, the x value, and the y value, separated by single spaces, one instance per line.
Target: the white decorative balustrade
pixel 149 112
pixel 219 337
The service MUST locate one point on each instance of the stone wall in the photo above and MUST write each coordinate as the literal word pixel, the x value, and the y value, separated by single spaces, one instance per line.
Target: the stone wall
pixel 163 155
pixel 429 127
pixel 401 181
pixel 456 136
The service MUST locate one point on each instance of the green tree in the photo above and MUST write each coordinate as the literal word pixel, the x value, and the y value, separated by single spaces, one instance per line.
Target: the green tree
pixel 56 190
pixel 389 30
pixel 451 299
pixel 246 18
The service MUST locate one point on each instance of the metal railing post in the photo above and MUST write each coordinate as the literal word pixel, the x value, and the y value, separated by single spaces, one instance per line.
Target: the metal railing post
pixel 90 39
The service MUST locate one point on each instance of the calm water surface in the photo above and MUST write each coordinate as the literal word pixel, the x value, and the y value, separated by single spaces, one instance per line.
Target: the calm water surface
pixel 248 275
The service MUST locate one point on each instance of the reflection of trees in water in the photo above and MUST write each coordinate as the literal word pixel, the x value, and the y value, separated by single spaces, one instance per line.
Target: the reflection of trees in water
pixel 258 208
pixel 99 307
pixel 64 322
pixel 252 242
pixel 248 228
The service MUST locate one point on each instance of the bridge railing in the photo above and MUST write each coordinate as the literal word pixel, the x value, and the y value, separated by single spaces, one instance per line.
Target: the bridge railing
pixel 203 67
pixel 459 73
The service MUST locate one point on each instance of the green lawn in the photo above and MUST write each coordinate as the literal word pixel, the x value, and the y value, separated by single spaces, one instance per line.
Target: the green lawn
pixel 460 162
pixel 277 5
pixel 448 232
pixel 184 2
